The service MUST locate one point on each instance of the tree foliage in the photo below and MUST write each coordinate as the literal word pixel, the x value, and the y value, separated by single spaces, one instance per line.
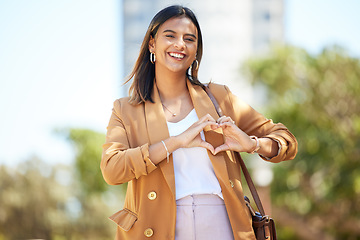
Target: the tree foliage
pixel 87 144
pixel 318 98
pixel 42 201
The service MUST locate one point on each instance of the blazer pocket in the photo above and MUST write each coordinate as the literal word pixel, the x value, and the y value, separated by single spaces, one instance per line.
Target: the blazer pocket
pixel 124 218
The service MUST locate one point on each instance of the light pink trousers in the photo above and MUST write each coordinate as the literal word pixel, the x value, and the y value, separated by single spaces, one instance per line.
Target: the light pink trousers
pixel 202 217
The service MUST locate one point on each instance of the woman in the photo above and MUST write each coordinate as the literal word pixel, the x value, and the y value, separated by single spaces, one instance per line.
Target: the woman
pixel 163 140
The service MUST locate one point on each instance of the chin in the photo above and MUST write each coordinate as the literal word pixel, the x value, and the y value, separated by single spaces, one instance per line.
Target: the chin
pixel 177 68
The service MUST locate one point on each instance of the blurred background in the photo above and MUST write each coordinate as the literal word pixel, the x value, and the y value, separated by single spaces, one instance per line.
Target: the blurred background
pixel 62 64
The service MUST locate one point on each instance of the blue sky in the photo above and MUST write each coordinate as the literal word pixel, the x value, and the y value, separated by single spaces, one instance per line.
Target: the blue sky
pixel 60 65
pixel 313 24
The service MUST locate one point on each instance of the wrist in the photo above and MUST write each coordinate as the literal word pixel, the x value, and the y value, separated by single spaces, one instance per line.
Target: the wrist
pixel 269 147
pixel 174 143
pixel 256 145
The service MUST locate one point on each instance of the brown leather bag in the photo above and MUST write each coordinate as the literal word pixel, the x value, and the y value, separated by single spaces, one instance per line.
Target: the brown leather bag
pixel 263 225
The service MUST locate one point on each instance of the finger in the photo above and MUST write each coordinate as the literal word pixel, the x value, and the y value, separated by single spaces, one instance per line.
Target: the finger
pixel 224 119
pixel 207 118
pixel 208 146
pixel 221 148
pixel 206 126
pixel 220 118
pixel 203 122
pixel 226 124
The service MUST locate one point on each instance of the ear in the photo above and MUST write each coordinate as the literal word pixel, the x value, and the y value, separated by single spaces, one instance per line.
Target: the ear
pixel 152 44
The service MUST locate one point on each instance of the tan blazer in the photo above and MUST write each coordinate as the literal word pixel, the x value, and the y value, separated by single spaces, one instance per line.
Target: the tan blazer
pixel 150 206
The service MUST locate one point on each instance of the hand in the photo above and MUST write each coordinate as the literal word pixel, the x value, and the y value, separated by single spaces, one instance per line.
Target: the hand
pixel 191 137
pixel 234 138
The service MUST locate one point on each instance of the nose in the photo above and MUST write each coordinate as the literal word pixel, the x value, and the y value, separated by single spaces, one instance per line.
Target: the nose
pixel 180 44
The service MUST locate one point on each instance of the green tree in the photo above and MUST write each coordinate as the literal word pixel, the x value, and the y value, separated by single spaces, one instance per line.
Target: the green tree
pixel 94 189
pixel 42 201
pixel 25 202
pixel 317 195
pixel 96 196
pixel 87 144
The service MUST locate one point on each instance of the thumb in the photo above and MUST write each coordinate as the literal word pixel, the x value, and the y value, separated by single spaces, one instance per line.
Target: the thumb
pixel 221 148
pixel 208 146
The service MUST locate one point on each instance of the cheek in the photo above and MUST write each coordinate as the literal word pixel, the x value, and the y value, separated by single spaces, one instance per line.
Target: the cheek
pixel 194 49
pixel 165 42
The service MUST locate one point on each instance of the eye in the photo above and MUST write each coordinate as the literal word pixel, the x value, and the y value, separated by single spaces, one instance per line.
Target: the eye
pixel 169 36
pixel 190 39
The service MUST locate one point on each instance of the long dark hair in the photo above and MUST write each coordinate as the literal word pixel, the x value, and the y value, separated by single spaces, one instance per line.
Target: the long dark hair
pixel 143 73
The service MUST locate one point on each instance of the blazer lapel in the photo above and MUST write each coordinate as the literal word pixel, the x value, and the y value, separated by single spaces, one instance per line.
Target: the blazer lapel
pixel 203 105
pixel 157 131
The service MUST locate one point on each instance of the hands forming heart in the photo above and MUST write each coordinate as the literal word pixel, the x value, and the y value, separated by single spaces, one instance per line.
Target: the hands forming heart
pixel 233 137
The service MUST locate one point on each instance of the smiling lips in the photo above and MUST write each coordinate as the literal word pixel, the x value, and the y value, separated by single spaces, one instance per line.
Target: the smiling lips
pixel 177 55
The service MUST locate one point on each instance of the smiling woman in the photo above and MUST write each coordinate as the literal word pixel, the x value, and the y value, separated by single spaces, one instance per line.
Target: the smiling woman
pixel 175 49
pixel 167 142
pixel 143 73
pixel 177 39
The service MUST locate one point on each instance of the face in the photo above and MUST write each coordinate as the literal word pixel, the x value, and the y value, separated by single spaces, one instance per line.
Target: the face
pixel 175 44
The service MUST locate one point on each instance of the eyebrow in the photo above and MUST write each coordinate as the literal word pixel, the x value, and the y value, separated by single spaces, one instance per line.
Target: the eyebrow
pixel 187 34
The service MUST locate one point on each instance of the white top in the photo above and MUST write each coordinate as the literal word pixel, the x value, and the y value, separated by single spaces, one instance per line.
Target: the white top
pixel 194 173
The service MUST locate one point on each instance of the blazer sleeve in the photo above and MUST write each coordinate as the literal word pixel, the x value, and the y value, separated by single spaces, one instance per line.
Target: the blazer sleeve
pixel 254 123
pixel 120 163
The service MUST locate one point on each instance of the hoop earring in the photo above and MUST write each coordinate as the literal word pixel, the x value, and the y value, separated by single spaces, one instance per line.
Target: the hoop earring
pixel 197 64
pixel 152 57
pixel 189 73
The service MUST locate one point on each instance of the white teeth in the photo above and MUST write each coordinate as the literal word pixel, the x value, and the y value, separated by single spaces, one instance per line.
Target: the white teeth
pixel 177 55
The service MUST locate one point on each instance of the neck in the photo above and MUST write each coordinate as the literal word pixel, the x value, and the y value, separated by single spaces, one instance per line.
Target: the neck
pixel 171 86
pixel 174 94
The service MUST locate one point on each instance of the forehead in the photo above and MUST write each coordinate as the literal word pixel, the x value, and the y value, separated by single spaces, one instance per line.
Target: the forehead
pixel 179 24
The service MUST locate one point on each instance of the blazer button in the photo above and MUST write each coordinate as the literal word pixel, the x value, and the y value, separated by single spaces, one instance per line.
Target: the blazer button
pixel 148 232
pixel 231 183
pixel 152 195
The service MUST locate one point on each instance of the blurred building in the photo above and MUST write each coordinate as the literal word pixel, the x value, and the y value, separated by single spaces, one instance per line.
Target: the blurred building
pixel 232 31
